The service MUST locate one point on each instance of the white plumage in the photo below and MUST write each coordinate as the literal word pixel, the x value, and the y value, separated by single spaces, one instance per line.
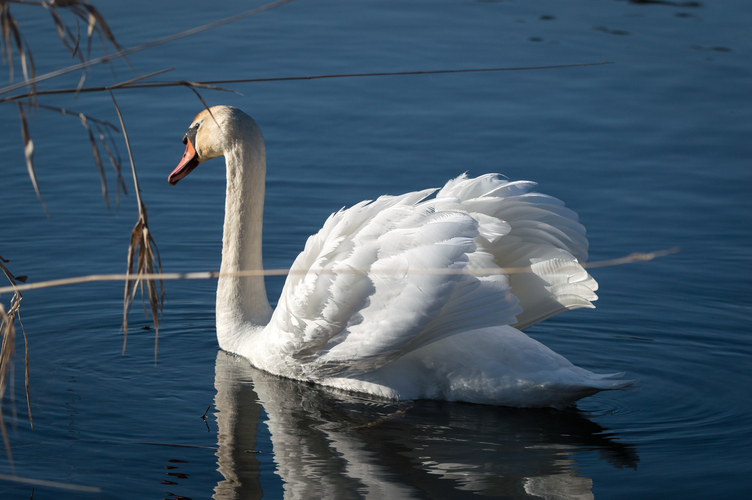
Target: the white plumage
pixel 385 299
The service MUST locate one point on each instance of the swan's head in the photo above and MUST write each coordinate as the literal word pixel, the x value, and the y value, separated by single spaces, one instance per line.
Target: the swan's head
pixel 212 133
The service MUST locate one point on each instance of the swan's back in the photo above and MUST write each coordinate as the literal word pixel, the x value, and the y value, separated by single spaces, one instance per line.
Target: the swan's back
pixel 384 279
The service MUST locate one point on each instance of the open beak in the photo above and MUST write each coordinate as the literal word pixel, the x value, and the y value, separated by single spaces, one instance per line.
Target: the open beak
pixel 186 165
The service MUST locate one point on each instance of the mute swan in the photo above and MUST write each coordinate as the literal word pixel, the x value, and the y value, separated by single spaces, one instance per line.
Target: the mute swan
pixel 400 329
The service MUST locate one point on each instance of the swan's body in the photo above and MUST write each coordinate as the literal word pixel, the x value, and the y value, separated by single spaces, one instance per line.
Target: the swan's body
pixel 364 308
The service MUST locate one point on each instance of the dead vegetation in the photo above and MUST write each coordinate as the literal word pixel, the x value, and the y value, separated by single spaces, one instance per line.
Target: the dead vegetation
pixel 143 255
pixel 71 18
pixel 100 134
pixel 8 343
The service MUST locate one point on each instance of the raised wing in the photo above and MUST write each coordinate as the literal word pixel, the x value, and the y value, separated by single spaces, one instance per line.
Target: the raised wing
pixel 541 234
pixel 386 277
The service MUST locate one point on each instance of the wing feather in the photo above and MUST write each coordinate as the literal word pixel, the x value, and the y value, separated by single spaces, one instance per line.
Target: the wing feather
pixel 386 277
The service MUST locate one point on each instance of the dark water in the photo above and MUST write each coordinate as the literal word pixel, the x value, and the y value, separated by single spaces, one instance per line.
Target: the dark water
pixel 653 152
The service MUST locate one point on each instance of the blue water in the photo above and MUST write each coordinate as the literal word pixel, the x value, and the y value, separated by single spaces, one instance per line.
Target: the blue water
pixel 653 151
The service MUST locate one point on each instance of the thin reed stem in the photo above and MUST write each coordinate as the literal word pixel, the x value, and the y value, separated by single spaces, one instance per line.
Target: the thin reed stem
pixel 130 84
pixel 628 259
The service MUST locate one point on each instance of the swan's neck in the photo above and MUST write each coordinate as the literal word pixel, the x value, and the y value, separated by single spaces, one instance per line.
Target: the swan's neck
pixel 242 305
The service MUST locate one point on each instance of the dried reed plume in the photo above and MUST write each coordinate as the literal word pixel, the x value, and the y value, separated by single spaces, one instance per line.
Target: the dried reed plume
pixel 142 244
pixel 8 336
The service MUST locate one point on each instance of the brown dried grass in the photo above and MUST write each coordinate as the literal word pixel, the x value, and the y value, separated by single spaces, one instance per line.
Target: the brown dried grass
pixel 143 256
pixel 143 261
pixel 11 33
pixel 10 36
pixel 8 343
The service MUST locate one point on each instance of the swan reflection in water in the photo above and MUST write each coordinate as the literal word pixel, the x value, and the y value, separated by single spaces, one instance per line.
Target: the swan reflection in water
pixel 330 444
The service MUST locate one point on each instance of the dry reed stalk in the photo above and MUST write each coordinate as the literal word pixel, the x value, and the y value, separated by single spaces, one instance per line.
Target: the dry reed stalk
pixel 8 332
pixel 97 158
pixel 201 275
pixel 210 84
pixel 29 155
pixel 143 255
pixel 141 244
pixel 50 484
pixel 12 33
pixel 7 348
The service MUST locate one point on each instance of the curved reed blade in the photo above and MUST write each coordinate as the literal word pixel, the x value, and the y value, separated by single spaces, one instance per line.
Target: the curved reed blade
pixel 8 333
pixel 114 161
pixel 6 28
pixel 66 36
pixel 193 85
pixel 97 22
pixel 30 77
pixel 26 371
pixel 130 283
pixel 12 33
pixel 190 86
pixel 29 154
pixel 97 158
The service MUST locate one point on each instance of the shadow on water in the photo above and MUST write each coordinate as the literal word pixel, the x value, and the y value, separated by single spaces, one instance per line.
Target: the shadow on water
pixel 328 444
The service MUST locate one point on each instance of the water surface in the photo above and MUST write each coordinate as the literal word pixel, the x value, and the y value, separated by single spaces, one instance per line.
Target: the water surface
pixel 652 151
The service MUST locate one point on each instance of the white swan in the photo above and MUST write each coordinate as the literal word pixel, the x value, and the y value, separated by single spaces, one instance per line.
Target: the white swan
pixel 401 330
